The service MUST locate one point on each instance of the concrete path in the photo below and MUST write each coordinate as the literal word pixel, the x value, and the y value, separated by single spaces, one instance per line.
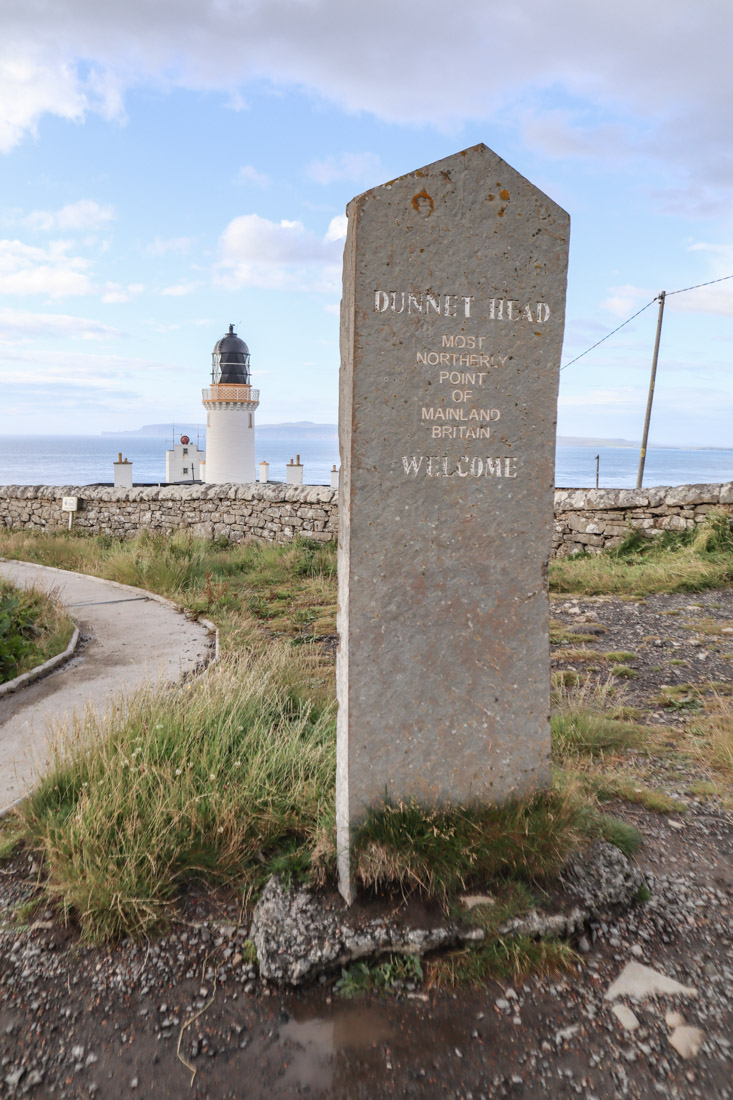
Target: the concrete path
pixel 128 638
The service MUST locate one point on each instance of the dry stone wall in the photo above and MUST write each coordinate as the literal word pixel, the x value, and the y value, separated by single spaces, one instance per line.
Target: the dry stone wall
pixel 272 512
pixel 599 519
pixel 585 519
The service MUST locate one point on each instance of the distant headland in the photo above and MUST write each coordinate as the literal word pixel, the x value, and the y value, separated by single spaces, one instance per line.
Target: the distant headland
pixel 306 428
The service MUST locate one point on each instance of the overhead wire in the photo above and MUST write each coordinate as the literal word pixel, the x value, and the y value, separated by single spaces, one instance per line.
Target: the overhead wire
pixel 609 335
pixel 669 293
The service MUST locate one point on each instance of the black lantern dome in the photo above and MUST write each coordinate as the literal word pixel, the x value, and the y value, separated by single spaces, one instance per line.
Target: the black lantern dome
pixel 230 361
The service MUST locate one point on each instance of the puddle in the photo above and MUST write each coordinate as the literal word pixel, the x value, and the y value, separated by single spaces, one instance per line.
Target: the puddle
pixel 311 1042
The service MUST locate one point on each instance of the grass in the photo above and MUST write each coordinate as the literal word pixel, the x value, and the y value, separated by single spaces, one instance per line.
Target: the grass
pixel 624 672
pixel 560 634
pixel 711 737
pixel 590 743
pixel 12 836
pixel 580 730
pixel 689 561
pixel 249 589
pixel 501 958
pixel 33 628
pixel 230 777
pixel 439 852
pixel 714 628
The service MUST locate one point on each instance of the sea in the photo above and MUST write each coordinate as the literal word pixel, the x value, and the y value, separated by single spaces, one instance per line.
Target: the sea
pixel 87 460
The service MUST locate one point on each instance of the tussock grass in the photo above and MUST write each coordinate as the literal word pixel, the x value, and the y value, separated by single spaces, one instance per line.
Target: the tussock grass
pixel 230 777
pixel 33 628
pixel 579 731
pixel 438 852
pixel 590 743
pixel 711 737
pixel 686 562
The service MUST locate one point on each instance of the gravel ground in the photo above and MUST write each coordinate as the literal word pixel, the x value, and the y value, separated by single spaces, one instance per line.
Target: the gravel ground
pixel 77 1021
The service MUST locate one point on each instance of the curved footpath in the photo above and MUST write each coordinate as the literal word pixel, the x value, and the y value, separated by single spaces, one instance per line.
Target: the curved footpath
pixel 129 637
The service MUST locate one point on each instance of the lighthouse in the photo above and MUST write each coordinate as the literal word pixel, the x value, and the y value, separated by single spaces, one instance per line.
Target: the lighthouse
pixel 230 404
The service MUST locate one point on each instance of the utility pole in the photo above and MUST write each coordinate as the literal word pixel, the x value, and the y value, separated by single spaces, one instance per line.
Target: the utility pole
pixel 650 399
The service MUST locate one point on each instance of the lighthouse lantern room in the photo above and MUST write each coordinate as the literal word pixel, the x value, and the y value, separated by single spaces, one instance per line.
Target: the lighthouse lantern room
pixel 230 404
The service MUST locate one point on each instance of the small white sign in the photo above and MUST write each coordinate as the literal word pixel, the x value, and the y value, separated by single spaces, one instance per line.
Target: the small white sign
pixel 69 504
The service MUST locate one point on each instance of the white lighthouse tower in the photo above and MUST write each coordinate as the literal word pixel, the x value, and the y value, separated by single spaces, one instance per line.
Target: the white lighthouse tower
pixel 230 404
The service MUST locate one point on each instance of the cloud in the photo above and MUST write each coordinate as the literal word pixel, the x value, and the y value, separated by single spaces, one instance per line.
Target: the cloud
pixel 565 133
pixel 625 300
pixel 661 83
pixel 85 215
pixel 33 84
pixel 346 166
pixel 114 292
pixel 248 174
pixel 24 324
pixel 706 299
pixel 100 372
pixel 337 228
pixel 26 269
pixel 620 399
pixel 278 255
pixel 160 247
pixel 180 289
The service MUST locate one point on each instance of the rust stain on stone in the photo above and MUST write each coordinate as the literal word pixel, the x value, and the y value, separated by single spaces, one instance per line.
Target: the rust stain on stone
pixel 421 201
pixel 504 194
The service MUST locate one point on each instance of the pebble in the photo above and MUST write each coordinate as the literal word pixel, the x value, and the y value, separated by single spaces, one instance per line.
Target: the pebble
pixel 625 1017
pixel 687 1041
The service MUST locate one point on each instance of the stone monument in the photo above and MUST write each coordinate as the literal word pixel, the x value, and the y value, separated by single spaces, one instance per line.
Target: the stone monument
pixel 451 333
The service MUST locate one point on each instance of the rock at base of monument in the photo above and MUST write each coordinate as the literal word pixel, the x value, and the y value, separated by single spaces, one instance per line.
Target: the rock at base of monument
pixel 597 883
pixel 299 936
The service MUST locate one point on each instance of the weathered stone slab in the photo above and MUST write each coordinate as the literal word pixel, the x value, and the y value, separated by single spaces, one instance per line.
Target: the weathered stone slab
pixel 451 332
pixel 693 494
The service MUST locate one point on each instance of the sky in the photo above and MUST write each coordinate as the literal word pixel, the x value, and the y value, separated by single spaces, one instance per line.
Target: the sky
pixel 168 168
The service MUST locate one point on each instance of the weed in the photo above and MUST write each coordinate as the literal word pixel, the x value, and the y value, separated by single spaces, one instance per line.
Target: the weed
pixel 389 976
pixel 249 953
pixel 679 697
pixel 27 909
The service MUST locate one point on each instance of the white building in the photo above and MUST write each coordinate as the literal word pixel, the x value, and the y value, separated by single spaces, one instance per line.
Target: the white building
pixel 230 404
pixel 184 462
